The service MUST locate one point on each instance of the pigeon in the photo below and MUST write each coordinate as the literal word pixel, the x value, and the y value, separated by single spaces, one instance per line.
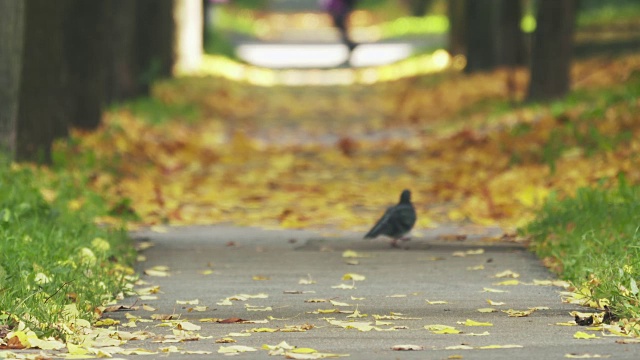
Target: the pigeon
pixel 397 221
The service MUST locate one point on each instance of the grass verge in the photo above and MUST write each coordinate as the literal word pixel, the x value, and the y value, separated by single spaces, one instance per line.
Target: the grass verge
pixel 592 240
pixel 53 254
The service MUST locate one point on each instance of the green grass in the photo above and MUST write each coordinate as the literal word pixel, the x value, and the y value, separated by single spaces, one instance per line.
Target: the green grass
pixel 584 132
pixel 53 254
pixel 157 111
pixel 594 238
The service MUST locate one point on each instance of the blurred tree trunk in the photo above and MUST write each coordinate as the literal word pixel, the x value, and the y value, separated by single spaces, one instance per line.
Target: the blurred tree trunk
pixel 552 49
pixel 85 36
pixel 493 35
pixel 510 49
pixel 11 44
pixel 42 100
pixel 122 80
pixel 481 44
pixel 188 41
pixel 457 27
pixel 155 39
pixel 140 46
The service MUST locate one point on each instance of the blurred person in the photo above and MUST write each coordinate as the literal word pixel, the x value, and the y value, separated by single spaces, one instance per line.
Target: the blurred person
pixel 340 11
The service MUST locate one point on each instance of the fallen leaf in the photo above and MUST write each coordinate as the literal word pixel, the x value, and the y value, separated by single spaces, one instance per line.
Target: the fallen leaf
pixel 442 329
pixel 507 273
pixel 338 303
pixel 436 302
pixel 225 340
pixel 344 287
pixel 234 349
pixel 231 320
pixel 585 356
pixel 407 347
pixel 495 303
pixel 470 322
pixel 188 302
pixel 507 283
pixel 352 276
pixel 353 254
pixel 486 333
pixel 487 310
pixel 584 335
pixel 518 313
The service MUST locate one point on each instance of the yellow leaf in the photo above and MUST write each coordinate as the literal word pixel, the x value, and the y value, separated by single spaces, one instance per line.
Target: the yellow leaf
pixel 508 283
pixel 470 322
pixel 442 329
pixel 352 276
pixel 304 351
pixel 507 273
pixel 586 356
pixel 568 323
pixel 233 349
pixel 188 302
pixel 518 313
pixel 495 303
pixel 354 254
pixel 185 325
pixel 46 344
pixel 337 303
pixel 487 310
pixel 486 333
pixel 584 335
pixel 263 330
pixel 344 287
pixel 436 302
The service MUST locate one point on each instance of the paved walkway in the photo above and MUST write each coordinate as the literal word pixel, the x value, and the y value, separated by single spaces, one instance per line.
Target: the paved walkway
pixel 438 267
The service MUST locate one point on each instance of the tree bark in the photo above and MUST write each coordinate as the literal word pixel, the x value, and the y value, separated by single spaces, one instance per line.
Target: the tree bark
pixel 510 47
pixel 155 39
pixel 492 35
pixel 11 43
pixel 122 72
pixel 481 40
pixel 457 27
pixel 552 50
pixel 85 35
pixel 42 100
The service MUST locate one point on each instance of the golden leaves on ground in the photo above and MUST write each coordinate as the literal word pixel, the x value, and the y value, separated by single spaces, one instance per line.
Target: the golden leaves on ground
pixel 266 162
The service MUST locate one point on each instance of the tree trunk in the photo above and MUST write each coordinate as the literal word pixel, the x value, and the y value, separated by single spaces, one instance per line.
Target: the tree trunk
pixel 42 100
pixel 188 35
pixel 120 61
pixel 457 27
pixel 493 33
pixel 155 39
pixel 85 35
pixel 481 41
pixel 510 47
pixel 11 44
pixel 552 50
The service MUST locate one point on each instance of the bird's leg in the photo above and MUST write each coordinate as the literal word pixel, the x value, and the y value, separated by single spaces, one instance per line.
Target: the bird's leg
pixel 394 243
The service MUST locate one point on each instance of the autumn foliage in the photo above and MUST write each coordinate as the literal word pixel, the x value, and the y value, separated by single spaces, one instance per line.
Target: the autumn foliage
pixel 334 157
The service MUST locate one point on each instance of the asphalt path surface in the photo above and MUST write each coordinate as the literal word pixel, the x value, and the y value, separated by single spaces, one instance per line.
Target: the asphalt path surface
pixel 397 281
